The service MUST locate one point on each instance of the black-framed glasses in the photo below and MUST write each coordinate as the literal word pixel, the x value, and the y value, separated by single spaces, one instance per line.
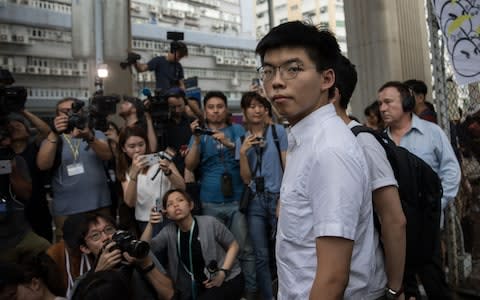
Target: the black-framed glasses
pixel 288 70
pixel 97 235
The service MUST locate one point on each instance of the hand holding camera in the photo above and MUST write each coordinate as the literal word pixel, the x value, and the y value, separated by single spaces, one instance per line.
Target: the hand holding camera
pixel 109 258
pixel 61 123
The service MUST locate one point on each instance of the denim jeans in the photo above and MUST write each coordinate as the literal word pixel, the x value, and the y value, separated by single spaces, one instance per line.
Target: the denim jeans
pixel 236 222
pixel 261 217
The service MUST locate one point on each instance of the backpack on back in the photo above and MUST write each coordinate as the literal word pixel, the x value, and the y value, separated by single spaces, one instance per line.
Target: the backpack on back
pixel 420 191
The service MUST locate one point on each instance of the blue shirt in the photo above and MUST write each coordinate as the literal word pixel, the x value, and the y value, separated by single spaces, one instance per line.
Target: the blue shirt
pixel 166 73
pixel 216 159
pixel 271 169
pixel 428 141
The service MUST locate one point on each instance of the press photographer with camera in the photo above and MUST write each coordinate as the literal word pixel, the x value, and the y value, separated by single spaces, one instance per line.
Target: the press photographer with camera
pixel 145 176
pixel 17 240
pixel 168 70
pixel 113 249
pixel 75 156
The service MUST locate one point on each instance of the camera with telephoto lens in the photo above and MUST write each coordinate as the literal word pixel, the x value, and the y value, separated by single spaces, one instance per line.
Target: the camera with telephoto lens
pixel 77 118
pixel 95 115
pixel 12 98
pixel 132 58
pixel 126 242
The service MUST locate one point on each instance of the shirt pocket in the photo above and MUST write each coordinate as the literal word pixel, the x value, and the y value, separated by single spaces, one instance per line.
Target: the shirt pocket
pixel 295 220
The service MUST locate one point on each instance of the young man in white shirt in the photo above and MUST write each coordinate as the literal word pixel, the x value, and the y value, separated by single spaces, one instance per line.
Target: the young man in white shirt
pixel 325 241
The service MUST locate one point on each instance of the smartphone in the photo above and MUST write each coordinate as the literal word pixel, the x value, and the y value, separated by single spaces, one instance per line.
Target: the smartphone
pixel 255 81
pixel 5 167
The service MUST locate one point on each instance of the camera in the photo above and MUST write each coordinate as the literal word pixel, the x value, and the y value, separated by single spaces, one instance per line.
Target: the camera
pixel 95 116
pixel 126 242
pixel 259 184
pixel 12 98
pixel 132 58
pixel 154 158
pixel 203 131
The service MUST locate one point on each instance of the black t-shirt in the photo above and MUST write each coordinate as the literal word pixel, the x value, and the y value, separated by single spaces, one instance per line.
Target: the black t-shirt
pixel 178 135
pixel 197 256
pixel 167 73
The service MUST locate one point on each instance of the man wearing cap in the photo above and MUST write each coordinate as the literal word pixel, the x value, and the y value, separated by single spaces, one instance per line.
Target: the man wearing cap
pixel 24 144
pixel 132 110
pixel 79 180
pixel 168 70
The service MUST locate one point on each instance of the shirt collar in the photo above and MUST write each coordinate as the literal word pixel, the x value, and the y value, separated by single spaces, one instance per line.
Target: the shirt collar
pixel 301 130
pixel 416 124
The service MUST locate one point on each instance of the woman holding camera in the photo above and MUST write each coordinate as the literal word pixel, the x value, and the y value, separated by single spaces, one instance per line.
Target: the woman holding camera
pixel 144 178
pixel 262 160
pixel 201 251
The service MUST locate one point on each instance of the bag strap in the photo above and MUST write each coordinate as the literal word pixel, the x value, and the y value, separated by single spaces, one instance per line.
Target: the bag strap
pixel 277 144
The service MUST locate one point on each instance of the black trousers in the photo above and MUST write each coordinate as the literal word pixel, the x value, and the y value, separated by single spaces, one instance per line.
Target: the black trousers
pixel 229 290
pixel 431 275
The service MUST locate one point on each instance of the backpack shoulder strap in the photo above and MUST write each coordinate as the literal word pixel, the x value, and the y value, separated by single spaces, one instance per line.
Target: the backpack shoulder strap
pixel 277 144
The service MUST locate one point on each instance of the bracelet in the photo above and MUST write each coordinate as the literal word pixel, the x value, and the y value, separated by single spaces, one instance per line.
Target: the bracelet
pixel 147 269
pixel 392 294
pixel 227 272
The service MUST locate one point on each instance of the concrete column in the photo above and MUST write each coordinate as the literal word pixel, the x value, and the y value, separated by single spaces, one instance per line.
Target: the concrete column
pixel 387 40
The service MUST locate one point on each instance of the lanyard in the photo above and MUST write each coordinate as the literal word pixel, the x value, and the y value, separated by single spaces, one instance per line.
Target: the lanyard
pixel 190 272
pixel 74 148
pixel 84 261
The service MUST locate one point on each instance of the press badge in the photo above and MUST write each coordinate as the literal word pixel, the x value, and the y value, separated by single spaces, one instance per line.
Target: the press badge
pixel 75 169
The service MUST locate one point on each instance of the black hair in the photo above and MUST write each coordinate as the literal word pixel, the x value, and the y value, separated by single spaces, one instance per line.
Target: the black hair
pixel 400 87
pixel 83 222
pixel 180 48
pixel 169 192
pixel 213 94
pixel 104 285
pixel 345 80
pixel 320 45
pixel 248 97
pixel 42 267
pixel 417 86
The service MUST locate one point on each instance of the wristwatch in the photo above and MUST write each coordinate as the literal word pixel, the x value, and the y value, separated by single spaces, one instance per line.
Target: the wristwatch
pixel 227 272
pixel 392 294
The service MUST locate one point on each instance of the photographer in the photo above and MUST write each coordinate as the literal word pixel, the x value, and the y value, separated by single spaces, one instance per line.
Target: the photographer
pixel 168 70
pixel 27 145
pixel 112 250
pixel 79 181
pixel 144 181
pixel 17 240
pixel 132 110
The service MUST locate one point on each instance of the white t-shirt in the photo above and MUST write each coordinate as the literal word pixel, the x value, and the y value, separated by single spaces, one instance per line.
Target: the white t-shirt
pixel 381 175
pixel 325 192
pixel 148 191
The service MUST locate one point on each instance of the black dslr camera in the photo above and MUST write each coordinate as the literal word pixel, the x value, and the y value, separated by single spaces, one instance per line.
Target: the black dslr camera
pixel 202 131
pixel 132 58
pixel 126 242
pixel 12 98
pixel 76 117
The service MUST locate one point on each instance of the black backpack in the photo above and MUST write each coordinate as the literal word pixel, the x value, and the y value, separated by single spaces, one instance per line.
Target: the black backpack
pixel 420 191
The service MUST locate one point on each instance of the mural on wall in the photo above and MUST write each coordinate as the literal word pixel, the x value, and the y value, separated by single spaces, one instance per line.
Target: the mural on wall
pixel 459 21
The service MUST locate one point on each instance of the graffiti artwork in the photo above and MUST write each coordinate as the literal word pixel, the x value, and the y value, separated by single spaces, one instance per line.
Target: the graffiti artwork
pixel 459 21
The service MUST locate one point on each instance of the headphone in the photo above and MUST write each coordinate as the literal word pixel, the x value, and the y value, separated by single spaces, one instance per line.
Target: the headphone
pixel 408 103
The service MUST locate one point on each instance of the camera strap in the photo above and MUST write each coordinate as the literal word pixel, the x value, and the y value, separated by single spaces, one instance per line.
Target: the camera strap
pixel 221 148
pixel 75 148
pixel 189 271
pixel 258 165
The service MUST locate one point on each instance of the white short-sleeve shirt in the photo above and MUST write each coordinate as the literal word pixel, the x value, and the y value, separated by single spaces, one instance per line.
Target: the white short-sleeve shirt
pixel 381 175
pixel 325 192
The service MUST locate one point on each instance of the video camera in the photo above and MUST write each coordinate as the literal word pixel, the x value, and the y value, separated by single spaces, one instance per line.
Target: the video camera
pixel 12 98
pixel 95 116
pixel 132 58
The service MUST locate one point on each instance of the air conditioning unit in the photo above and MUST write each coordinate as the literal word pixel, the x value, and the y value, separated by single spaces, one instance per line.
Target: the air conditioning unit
pixel 75 72
pixel 44 70
pixel 32 70
pixel 67 72
pixel 153 9
pixel 135 7
pixel 56 71
pixel 227 61
pixel 234 61
pixel 4 37
pixel 83 73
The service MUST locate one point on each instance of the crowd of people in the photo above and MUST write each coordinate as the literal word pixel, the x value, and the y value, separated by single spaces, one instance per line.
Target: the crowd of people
pixel 211 209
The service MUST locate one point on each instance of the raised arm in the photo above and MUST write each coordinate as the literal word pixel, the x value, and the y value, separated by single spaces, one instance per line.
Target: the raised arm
pixel 43 128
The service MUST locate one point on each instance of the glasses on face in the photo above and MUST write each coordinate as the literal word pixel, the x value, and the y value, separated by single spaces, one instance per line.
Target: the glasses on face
pixel 288 70
pixel 97 235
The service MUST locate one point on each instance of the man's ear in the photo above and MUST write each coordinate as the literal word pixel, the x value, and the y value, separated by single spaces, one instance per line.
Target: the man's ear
pixel 328 79
pixel 35 284
pixel 84 249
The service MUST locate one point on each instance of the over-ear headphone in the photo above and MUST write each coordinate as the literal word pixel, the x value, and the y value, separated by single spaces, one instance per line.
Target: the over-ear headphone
pixel 408 102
